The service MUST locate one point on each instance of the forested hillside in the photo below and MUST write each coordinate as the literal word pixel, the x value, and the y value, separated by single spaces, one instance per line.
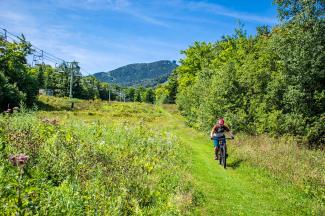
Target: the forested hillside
pixel 140 74
pixel 272 82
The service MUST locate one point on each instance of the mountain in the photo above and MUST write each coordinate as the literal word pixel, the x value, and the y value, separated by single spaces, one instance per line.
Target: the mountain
pixel 144 74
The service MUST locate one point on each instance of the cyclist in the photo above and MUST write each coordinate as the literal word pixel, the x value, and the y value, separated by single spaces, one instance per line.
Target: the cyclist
pixel 218 132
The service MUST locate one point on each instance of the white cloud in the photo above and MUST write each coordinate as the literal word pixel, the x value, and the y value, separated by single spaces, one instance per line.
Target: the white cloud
pixel 11 16
pixel 220 10
pixel 122 6
pixel 122 3
pixel 146 18
pixel 92 4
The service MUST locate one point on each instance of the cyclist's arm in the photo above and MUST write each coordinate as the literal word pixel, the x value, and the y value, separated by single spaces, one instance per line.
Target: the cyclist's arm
pixel 231 135
pixel 213 130
pixel 230 132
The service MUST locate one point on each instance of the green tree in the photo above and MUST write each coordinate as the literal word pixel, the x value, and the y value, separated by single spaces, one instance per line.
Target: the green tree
pixel 297 10
pixel 149 96
pixel 17 82
pixel 41 77
pixel 161 93
pixel 9 93
pixel 130 94
pixel 137 97
pixel 271 82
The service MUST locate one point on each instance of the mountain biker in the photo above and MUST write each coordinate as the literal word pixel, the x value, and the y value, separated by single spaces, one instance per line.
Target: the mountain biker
pixel 218 132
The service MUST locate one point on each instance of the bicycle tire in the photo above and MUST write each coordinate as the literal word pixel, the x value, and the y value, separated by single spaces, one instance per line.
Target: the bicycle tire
pixel 219 153
pixel 225 158
pixel 221 156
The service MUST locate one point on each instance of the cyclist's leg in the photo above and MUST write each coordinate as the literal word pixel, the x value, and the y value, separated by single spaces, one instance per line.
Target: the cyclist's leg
pixel 216 148
pixel 216 152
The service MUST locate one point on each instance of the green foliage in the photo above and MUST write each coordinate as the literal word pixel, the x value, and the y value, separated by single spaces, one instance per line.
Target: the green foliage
pixel 166 92
pixel 16 82
pixel 137 97
pixel 161 93
pixel 272 82
pixel 300 9
pixel 130 94
pixel 41 78
pixel 89 88
pixel 140 94
pixel 149 96
pixel 9 93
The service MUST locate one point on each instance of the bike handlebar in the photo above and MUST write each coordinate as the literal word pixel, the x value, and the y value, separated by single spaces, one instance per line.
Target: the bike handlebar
pixel 214 138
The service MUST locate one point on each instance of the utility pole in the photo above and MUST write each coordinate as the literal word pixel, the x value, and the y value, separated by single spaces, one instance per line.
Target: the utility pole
pixel 71 79
pixel 5 30
pixel 73 68
pixel 42 56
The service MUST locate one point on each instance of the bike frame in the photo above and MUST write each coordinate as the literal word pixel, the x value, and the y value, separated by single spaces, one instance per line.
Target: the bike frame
pixel 222 151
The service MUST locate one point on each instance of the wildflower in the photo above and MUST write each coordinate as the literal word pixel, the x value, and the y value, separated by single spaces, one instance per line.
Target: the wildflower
pixel 8 111
pixel 50 121
pixel 15 109
pixel 18 160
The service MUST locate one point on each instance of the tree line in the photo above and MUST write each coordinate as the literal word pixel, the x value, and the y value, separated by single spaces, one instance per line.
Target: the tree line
pixel 21 82
pixel 272 82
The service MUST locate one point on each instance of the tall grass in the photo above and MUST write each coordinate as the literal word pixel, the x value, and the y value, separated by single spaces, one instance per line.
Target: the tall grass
pixel 77 167
pixel 285 160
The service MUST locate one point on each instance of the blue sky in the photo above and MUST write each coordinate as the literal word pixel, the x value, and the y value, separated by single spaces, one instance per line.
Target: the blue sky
pixel 105 34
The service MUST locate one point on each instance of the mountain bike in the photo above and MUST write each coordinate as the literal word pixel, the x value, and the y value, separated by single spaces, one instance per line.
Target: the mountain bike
pixel 222 151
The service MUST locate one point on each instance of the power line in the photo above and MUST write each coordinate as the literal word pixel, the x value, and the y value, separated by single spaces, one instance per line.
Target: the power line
pixel 38 54
pixel 47 53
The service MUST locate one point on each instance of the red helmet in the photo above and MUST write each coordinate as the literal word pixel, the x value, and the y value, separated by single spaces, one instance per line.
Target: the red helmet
pixel 221 122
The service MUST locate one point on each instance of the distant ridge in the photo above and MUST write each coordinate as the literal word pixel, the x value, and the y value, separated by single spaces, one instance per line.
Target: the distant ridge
pixel 139 74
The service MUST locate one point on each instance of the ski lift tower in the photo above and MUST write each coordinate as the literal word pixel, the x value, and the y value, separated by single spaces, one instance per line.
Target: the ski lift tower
pixel 74 72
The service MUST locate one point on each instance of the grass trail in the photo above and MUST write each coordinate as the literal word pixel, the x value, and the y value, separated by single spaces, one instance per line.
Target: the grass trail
pixel 239 190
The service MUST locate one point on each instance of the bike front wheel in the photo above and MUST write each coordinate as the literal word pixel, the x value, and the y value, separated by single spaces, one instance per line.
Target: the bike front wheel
pixel 223 158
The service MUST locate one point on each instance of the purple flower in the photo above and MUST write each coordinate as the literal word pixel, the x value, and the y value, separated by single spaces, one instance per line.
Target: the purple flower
pixel 18 160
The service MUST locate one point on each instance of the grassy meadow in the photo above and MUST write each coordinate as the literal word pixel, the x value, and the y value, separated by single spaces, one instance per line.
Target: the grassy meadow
pixel 100 159
pixel 286 161
pixel 141 159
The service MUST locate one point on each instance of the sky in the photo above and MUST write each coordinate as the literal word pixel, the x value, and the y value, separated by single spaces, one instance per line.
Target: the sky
pixel 105 34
